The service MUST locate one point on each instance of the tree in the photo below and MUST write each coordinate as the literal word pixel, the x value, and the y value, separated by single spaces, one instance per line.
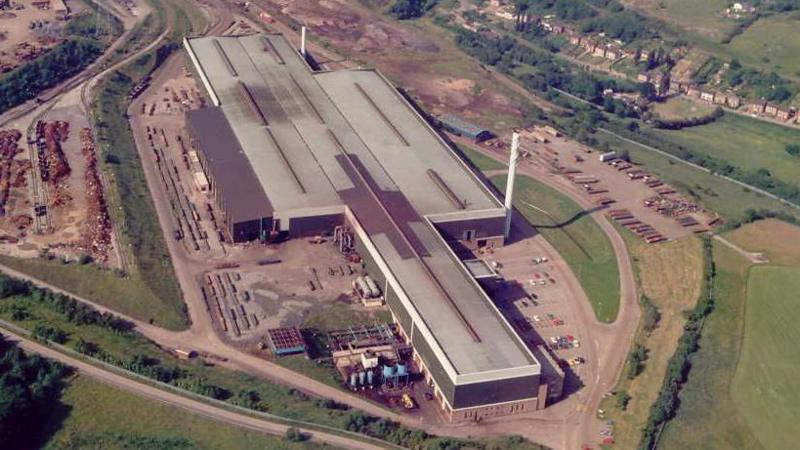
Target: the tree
pixel 294 435
pixel 793 149
pixel 622 400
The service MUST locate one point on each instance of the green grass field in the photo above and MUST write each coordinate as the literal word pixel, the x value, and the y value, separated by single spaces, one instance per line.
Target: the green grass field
pixel 713 366
pixel 681 108
pixel 130 296
pixel 765 386
pixel 772 43
pixel 481 161
pixel 746 367
pixel 580 241
pixel 698 17
pixel 103 417
pixel 744 142
pixel 720 195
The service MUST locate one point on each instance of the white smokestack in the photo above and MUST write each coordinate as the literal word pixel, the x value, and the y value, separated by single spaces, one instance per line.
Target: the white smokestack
pixel 303 40
pixel 512 169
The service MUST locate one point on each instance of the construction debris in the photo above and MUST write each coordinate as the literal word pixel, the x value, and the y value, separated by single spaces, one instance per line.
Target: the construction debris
pixel 96 236
pixel 11 172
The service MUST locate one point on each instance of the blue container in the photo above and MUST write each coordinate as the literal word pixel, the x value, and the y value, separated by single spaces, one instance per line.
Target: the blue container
pixel 402 370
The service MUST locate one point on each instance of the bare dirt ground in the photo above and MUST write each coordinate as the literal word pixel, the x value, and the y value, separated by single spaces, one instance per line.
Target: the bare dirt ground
pixel 416 57
pixel 18 41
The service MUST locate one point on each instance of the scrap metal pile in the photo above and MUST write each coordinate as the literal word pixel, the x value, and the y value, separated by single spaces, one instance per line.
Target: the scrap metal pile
pixel 96 236
pixel 12 171
pixel 671 206
pixel 53 164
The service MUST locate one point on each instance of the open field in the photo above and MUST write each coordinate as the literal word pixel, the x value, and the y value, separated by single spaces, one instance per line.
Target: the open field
pixel 576 237
pixel 779 241
pixel 744 142
pixel 754 318
pixel 102 417
pixel 681 108
pixel 700 17
pixel 765 386
pixel 772 43
pixel 726 198
pixel 713 367
pixel 670 276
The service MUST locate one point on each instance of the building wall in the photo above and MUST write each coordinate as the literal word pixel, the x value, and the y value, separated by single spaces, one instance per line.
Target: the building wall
pixel 313 225
pixel 249 230
pixel 496 391
pixel 506 409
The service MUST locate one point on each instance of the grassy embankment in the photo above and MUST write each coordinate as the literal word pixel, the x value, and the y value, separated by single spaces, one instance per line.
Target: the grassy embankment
pixel 745 368
pixel 103 417
pixel 576 237
pixel 670 276
pixel 744 142
pixel 772 44
pixel 148 290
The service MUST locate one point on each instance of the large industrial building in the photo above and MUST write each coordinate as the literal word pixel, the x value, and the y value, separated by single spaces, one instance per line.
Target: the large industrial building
pixel 295 152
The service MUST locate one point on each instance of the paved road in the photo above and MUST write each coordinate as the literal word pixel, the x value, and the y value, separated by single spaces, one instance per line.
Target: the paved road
pixel 611 341
pixel 193 406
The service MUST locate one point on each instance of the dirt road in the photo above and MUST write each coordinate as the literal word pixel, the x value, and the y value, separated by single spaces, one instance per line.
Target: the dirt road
pixel 178 401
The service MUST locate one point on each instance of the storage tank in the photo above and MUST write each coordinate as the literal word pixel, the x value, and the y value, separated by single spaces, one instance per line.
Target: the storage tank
pixel 402 370
pixel 373 286
pixel 388 372
pixel 370 376
pixel 362 377
pixel 353 380
pixel 363 287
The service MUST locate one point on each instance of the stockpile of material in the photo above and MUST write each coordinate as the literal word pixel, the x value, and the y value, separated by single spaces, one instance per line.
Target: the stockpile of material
pixel 96 237
pixel 9 170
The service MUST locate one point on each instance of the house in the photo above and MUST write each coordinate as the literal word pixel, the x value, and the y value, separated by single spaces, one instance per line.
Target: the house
pixel 643 77
pixel 660 81
pixel 575 39
pixel 785 113
pixel 630 53
pixel 693 91
pixel 771 110
pixel 589 44
pixel 613 52
pixel 599 50
pixel 757 107
pixel 733 101
pixel 707 96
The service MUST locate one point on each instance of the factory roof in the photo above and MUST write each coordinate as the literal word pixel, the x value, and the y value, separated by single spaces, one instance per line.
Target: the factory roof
pixel 229 168
pixel 318 140
pixel 461 125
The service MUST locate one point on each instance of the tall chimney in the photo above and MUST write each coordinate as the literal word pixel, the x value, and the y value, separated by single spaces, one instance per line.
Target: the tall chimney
pixel 512 169
pixel 303 41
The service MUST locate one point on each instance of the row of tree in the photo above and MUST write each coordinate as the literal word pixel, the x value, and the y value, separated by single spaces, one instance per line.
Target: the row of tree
pixel 686 122
pixel 666 405
pixel 62 62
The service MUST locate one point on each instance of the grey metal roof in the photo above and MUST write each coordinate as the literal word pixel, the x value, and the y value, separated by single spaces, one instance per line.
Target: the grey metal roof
pixel 229 167
pixel 462 125
pixel 347 138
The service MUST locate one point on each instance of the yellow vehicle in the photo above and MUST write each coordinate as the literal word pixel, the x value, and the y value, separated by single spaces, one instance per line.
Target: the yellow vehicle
pixel 408 402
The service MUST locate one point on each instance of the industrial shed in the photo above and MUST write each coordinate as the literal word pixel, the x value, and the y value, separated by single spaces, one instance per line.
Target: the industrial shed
pixel 343 148
pixel 461 127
